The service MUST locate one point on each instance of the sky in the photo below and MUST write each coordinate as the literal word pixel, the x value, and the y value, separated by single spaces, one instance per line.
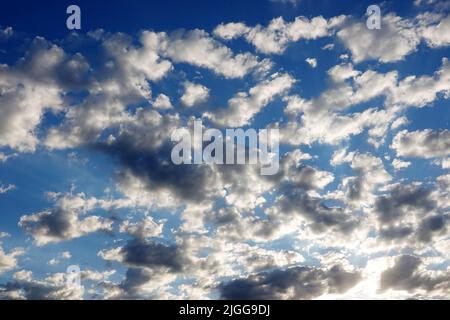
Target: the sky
pixel 359 208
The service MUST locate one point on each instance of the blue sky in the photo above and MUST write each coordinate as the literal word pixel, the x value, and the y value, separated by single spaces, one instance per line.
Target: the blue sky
pixel 360 206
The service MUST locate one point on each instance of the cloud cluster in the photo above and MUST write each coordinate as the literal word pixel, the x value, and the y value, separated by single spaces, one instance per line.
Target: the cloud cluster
pixel 342 201
pixel 64 221
pixel 274 38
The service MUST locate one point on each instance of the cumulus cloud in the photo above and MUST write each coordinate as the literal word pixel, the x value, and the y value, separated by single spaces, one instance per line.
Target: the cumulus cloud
pixel 396 39
pixel 162 102
pixel 33 86
pixel 146 228
pixel 195 231
pixel 198 48
pixel 437 35
pixel 411 212
pixel 422 144
pixel 194 94
pixel 294 283
pixel 325 118
pixel 408 274
pixel 141 253
pixel 312 62
pixel 8 261
pixel 274 38
pixel 63 222
pixel 23 286
pixel 399 164
pixel 57 260
pixel 244 106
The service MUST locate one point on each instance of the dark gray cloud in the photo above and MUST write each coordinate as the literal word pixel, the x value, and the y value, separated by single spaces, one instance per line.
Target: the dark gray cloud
pixel 293 283
pixel 59 224
pixel 321 216
pixel 431 225
pixel 51 288
pixel 407 275
pixel 141 253
pixel 156 171
pixel 402 200
pixel 407 204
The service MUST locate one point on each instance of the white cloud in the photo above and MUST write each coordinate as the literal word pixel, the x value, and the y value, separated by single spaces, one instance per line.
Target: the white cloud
pixel 446 163
pixel 198 48
pixel 194 94
pixel 274 38
pixel 437 35
pixel 28 90
pixel 4 189
pixel 312 62
pixel 396 39
pixel 8 261
pixel 243 106
pixel 162 102
pixel 399 164
pixel 146 228
pixel 422 144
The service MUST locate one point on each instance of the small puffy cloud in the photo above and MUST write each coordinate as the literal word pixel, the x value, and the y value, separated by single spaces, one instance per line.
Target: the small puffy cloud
pixel 399 164
pixel 146 228
pixel 5 157
pixel 194 94
pixel 8 261
pixel 5 189
pixel 6 33
pixel 446 163
pixel 422 143
pixel 162 102
pixel 312 62
pixel 243 106
pixel 61 256
pixel 4 234
pixel 231 30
